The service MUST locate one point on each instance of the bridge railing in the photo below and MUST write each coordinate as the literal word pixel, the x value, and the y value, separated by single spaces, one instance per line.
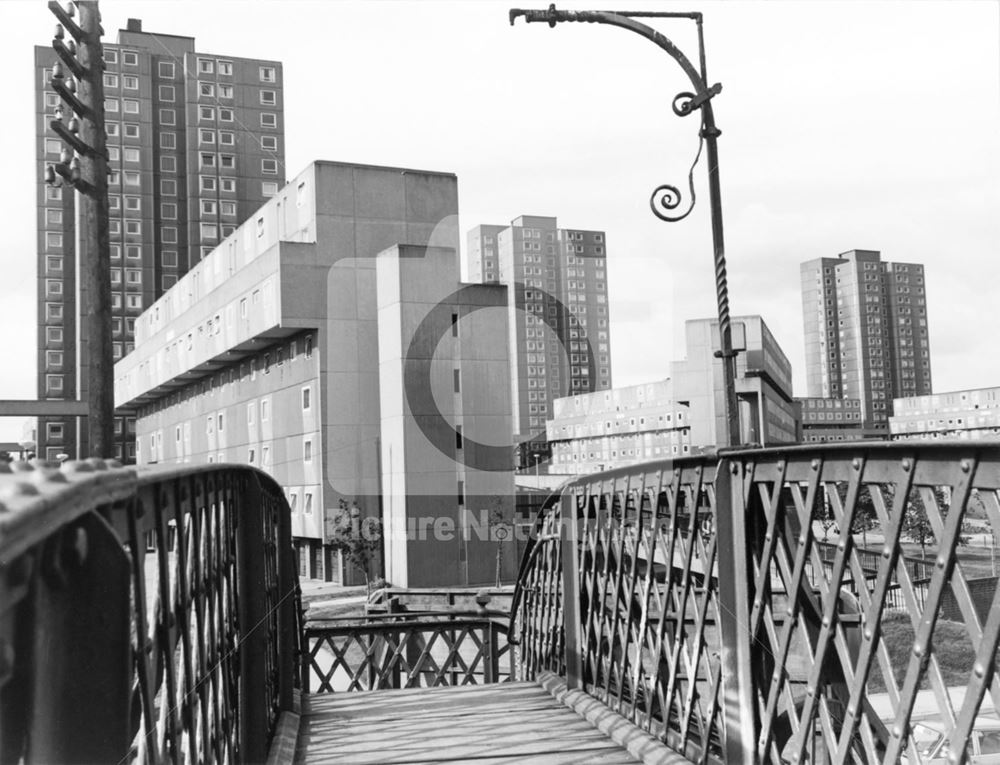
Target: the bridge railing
pixel 145 614
pixel 406 650
pixel 700 605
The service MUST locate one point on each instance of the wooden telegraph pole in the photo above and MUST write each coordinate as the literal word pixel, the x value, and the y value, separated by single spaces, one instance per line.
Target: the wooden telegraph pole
pixel 78 77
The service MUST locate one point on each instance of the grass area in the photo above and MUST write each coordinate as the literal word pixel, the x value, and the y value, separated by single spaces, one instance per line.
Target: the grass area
pixel 952 648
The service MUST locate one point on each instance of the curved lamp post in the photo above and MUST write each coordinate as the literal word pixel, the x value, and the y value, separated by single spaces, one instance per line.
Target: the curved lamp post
pixel 667 198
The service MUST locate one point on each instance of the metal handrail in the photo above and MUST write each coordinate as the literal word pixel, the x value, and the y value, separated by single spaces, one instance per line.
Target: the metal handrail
pixel 183 651
pixel 667 624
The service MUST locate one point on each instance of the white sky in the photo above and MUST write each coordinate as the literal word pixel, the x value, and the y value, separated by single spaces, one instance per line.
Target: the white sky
pixel 845 125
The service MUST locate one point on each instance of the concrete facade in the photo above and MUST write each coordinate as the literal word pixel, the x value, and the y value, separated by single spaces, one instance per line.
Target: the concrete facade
pixel 964 414
pixel 829 420
pixel 284 335
pixel 866 331
pixel 618 427
pixel 763 384
pixel 195 144
pixel 684 414
pixel 558 316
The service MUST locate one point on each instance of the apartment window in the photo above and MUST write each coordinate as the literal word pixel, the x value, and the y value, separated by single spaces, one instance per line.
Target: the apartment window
pixel 207 183
pixel 225 115
pixel 206 90
pixel 130 107
pixel 206 136
pixel 116 300
pixel 269 166
pixel 53 311
pixel 54 264
pixel 112 129
pixel 53 288
pixel 226 138
pixel 53 146
pixel 110 105
pixel 307 505
pixel 53 384
pixel 53 334
pixel 166 69
pixel 268 188
pixel 170 258
pixel 227 184
pixel 116 252
pixel 267 74
pixel 168 281
pixel 306 399
pixel 131 130
pixel 209 232
pixel 206 113
pixel 130 82
pixel 111 80
pixel 228 208
pixel 268 120
pixel 251 414
pixel 168 235
pixel 114 155
pixel 265 409
pixel 130 59
pixel 133 276
pixel 206 66
pixel 133 227
pixel 131 155
pixel 227 161
pixel 133 203
pixel 307 450
pixel 226 68
pixel 269 143
pixel 53 239
pixel 52 100
pixel 168 187
pixel 110 56
pixel 268 98
pixel 260 226
pixel 207 160
pixel 225 91
pixel 168 117
pixel 167 94
pixel 457 379
pixel 168 211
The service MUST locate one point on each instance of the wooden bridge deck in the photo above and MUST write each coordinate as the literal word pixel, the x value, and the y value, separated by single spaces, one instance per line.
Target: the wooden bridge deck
pixel 499 724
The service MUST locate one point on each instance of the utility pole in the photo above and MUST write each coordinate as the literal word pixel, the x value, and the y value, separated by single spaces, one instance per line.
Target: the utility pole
pixel 78 77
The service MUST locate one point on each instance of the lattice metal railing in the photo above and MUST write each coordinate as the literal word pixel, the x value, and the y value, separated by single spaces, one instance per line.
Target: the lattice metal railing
pixel 413 650
pixel 148 615
pixel 705 608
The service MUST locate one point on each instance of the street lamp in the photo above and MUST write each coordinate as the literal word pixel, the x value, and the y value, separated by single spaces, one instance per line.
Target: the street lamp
pixel 667 198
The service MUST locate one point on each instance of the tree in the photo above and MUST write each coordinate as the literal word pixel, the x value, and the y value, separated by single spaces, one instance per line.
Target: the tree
pixel 357 538
pixel 917 526
pixel 500 530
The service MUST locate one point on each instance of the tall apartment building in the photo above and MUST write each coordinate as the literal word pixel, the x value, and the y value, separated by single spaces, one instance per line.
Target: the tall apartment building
pixel 195 145
pixel 866 332
pixel 330 342
pixel 560 337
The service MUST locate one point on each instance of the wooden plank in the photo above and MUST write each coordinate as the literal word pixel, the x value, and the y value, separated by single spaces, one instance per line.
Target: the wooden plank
pixel 549 724
pixel 358 697
pixel 612 755
pixel 395 705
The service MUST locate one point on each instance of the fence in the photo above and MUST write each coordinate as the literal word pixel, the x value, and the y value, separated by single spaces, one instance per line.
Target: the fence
pixel 147 614
pixel 690 609
pixel 408 650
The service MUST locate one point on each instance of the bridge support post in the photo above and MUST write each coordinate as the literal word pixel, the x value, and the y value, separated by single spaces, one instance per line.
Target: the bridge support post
pixel 569 537
pixel 739 705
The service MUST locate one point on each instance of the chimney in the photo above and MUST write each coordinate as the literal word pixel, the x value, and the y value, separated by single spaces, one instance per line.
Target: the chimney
pixel 134 25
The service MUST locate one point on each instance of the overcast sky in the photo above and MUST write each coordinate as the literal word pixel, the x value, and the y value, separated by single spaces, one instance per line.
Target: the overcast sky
pixel 845 125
